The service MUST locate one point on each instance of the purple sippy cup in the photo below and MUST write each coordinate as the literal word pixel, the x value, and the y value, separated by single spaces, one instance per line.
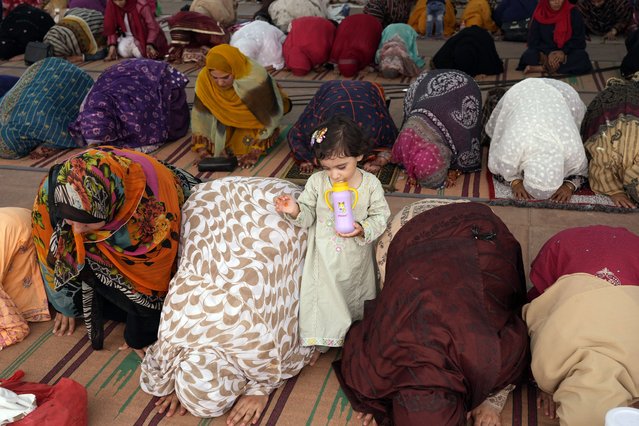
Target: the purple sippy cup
pixel 342 206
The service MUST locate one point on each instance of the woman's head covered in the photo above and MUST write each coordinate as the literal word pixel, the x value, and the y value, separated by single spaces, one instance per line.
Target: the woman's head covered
pixel 425 158
pixel 228 59
pixel 339 136
pixel 83 191
pixel 543 178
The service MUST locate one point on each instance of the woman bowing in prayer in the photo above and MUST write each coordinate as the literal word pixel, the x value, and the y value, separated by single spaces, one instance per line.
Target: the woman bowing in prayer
pixel 141 36
pixel 610 131
pixel 585 311
pixel 238 107
pixel 364 103
pixel 441 343
pixel 106 226
pixel 229 333
pixel 556 40
pixel 439 137
pixel 535 143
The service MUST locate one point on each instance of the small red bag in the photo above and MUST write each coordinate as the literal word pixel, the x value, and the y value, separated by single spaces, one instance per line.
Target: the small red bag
pixel 63 404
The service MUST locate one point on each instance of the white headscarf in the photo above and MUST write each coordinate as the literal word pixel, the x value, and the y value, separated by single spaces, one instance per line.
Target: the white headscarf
pixel 534 132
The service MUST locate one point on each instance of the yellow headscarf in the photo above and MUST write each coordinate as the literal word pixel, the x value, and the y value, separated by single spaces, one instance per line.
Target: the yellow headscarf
pixel 226 104
pixel 255 104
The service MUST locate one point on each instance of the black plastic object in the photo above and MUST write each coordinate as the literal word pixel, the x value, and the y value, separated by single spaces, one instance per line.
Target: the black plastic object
pixel 217 164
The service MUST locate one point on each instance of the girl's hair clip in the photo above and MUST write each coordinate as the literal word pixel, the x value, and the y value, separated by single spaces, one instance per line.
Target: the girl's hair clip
pixel 318 135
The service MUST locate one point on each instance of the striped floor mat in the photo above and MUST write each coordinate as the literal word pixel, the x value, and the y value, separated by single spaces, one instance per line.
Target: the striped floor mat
pixel 111 378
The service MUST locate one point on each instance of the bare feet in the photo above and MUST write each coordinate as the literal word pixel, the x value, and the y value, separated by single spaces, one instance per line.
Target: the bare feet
pixel 247 161
pixel 484 415
pixel 170 403
pixel 545 401
pixel 306 167
pixel 43 152
pixel 314 358
pixel 247 410
pixel 367 419
pixel 533 69
pixel 140 352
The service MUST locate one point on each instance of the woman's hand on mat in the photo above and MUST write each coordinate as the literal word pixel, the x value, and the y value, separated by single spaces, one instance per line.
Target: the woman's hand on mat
pixel 151 53
pixel 451 178
pixel 611 35
pixel 247 410
pixel 519 191
pixel 367 419
pixel 247 161
pixel 563 193
pixel 170 403
pixel 555 59
pixel 622 200
pixel 484 415
pixel 63 324
pixel 306 167
pixel 112 55
pixel 545 401
pixel 286 204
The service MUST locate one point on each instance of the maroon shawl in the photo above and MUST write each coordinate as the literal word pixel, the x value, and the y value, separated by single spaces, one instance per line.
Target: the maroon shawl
pixel 445 330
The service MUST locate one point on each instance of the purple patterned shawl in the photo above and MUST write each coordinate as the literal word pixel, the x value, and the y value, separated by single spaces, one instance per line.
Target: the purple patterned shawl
pixel 449 102
pixel 137 103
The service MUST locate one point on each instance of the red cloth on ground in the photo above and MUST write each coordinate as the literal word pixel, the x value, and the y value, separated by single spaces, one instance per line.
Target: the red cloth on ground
pixel 560 18
pixel 609 253
pixel 446 330
pixel 356 42
pixel 64 403
pixel 308 44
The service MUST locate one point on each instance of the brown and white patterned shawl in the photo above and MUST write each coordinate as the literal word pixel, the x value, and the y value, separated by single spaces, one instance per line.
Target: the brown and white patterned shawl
pixel 229 325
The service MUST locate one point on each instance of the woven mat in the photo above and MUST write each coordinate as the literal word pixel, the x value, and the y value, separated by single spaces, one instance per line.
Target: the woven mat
pixel 111 378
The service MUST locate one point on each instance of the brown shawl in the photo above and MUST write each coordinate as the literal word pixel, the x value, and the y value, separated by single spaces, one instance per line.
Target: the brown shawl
pixel 445 330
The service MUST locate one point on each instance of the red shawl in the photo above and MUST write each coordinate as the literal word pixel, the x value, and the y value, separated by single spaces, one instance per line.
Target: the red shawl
pixel 606 252
pixel 356 42
pixel 114 19
pixel 445 330
pixel 308 44
pixel 560 19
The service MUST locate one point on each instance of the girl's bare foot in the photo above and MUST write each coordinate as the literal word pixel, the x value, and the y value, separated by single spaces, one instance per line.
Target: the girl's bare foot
pixel 247 161
pixel 247 410
pixel 545 401
pixel 43 152
pixel 306 167
pixel 314 357
pixel 367 419
pixel 485 415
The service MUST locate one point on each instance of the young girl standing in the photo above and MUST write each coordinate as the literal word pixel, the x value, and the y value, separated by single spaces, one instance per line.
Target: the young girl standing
pixel 339 274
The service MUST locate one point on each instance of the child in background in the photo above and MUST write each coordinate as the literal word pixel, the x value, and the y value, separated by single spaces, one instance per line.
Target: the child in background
pixel 339 274
pixel 132 31
pixel 435 16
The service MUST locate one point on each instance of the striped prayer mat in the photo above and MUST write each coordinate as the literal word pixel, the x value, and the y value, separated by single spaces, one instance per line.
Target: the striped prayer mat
pixel 111 378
